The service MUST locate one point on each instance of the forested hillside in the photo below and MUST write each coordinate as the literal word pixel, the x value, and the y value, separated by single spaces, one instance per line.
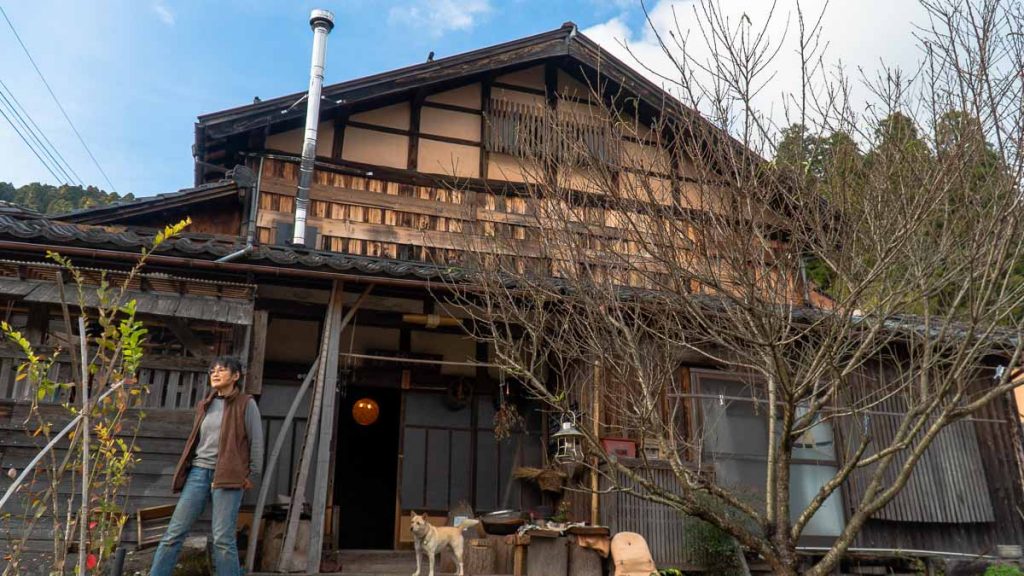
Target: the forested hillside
pixel 50 199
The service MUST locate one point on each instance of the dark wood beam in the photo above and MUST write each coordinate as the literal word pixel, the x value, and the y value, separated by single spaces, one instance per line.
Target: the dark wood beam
pixel 451 107
pixel 193 344
pixel 414 131
pixel 485 108
pixel 413 134
pixel 257 354
pixel 339 136
pixel 523 89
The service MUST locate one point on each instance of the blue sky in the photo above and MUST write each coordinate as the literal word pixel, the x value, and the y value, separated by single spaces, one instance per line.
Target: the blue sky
pixel 134 74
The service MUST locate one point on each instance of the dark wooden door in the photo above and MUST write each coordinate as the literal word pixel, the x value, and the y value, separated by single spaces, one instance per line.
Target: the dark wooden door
pixel 366 467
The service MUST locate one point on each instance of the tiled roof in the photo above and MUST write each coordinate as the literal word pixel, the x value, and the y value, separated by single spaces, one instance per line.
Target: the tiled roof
pixel 17 210
pixel 212 247
pixel 124 208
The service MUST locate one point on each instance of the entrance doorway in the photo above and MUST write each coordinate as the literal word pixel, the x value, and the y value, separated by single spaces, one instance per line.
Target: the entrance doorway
pixel 367 464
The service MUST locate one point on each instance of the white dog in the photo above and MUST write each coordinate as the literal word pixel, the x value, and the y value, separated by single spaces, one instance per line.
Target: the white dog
pixel 432 539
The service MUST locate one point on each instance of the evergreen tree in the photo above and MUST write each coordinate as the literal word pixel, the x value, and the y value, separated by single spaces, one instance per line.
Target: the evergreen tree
pixel 51 200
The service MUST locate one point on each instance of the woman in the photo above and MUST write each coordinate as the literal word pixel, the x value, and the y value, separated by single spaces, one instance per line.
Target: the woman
pixel 223 456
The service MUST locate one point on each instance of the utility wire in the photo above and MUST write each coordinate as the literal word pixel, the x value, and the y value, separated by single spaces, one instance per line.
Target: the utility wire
pixel 28 137
pixel 26 133
pixel 54 96
pixel 34 134
pixel 66 166
pixel 22 136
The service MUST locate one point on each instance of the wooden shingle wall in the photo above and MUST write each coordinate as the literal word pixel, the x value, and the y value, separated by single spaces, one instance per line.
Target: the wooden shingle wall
pixel 160 438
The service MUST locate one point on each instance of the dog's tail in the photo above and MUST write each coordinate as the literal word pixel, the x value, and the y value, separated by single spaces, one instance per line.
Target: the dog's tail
pixel 469 523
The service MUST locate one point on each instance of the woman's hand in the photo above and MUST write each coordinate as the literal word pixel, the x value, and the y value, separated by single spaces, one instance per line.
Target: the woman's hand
pixel 246 484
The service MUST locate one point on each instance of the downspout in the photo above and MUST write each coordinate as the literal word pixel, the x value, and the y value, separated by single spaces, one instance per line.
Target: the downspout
pixel 250 229
pixel 321 21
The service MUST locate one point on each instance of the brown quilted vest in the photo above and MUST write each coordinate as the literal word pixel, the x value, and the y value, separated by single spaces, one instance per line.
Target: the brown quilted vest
pixel 233 452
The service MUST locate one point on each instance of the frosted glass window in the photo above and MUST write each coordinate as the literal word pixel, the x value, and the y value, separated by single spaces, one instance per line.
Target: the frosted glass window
pixel 807 479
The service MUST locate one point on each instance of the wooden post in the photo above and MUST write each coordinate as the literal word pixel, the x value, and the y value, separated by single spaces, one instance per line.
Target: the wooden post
pixel 83 514
pixel 334 525
pixel 312 428
pixel 323 459
pixel 254 379
pixel 415 108
pixel 323 406
pixel 271 464
pixel 595 512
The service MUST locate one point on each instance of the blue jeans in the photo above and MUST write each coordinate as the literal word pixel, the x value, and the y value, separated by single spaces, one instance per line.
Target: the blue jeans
pixel 194 496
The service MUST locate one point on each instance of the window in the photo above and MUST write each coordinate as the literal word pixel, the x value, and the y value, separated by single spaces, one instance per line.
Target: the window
pixel 735 441
pixel 537 132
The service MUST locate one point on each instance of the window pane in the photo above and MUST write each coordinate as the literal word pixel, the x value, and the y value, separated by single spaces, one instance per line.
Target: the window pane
pixel 743 476
pixel 732 426
pixel 806 480
pixel 816 443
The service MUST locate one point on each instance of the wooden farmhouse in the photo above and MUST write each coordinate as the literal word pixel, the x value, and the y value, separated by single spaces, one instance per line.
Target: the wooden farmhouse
pixel 409 164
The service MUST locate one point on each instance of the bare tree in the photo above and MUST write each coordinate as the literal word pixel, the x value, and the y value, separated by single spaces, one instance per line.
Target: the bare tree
pixel 648 240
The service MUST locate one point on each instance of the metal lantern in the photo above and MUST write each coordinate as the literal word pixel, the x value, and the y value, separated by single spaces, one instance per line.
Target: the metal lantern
pixel 569 444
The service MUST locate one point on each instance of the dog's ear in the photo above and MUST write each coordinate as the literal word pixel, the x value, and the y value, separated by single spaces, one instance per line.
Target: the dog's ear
pixel 412 513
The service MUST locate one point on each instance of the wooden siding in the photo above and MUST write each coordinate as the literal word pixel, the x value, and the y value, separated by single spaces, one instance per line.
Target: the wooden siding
pixel 377 217
pixel 174 383
pixel 160 438
pixel 673 537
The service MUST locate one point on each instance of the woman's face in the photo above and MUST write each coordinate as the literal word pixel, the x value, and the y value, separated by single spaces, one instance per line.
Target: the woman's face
pixel 222 378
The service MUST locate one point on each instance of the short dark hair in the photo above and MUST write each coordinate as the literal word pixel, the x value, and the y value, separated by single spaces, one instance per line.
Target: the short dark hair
pixel 230 362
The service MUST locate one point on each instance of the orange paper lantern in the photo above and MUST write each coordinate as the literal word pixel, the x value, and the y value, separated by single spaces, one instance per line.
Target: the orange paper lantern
pixel 365 411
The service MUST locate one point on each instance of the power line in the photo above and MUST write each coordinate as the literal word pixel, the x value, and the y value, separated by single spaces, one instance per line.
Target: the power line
pixel 54 96
pixel 66 166
pixel 22 136
pixel 36 148
pixel 34 134
pixel 31 139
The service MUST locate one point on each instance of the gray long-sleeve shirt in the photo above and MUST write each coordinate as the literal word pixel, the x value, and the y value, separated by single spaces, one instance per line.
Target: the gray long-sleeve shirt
pixel 209 437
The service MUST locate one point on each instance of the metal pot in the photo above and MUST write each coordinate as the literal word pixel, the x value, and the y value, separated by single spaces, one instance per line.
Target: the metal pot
pixel 502 522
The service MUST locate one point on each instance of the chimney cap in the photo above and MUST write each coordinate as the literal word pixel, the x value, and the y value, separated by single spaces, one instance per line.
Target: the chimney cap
pixel 319 17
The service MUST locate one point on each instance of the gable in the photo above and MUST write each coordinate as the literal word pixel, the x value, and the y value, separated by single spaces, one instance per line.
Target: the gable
pixel 516 71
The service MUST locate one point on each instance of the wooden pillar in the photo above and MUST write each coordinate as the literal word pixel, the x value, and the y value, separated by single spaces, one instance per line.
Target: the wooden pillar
pixel 414 131
pixel 257 353
pixel 324 471
pixel 38 323
pixel 551 93
pixel 314 427
pixel 595 502
pixel 339 135
pixel 485 105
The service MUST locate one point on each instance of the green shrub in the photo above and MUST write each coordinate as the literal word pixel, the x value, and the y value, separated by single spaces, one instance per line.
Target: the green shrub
pixel 1003 570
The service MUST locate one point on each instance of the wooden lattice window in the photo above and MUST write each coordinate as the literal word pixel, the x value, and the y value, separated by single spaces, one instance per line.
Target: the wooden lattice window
pixel 534 131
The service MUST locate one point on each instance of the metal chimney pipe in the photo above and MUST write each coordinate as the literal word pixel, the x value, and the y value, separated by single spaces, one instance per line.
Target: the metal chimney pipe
pixel 321 21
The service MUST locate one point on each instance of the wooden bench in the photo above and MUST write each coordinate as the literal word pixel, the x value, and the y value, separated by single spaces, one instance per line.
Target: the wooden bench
pixel 152 523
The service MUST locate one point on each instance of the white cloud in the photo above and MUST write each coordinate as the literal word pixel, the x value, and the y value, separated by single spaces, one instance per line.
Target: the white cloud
pixel 859 36
pixel 440 16
pixel 164 13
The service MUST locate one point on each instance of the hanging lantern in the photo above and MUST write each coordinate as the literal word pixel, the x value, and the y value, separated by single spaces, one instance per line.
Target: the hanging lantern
pixel 569 444
pixel 365 411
